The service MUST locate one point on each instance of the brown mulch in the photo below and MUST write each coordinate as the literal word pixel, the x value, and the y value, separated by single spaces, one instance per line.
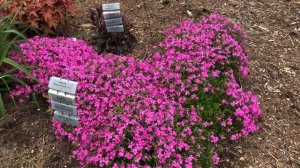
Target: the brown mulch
pixel 27 139
pixel 273 27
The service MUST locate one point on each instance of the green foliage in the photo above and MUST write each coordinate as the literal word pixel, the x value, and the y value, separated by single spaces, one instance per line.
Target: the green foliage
pixel 9 37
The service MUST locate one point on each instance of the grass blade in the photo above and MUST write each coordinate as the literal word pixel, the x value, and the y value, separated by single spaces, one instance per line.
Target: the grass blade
pixel 14 32
pixel 19 67
pixel 18 80
pixel 9 91
pixel 4 76
pixel 5 4
pixel 2 109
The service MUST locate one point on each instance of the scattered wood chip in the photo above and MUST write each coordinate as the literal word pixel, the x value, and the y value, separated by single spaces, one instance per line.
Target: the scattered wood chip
pixel 190 14
pixel 263 28
pixel 87 25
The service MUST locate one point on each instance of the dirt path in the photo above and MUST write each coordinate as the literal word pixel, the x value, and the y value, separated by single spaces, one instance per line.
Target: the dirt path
pixel 274 46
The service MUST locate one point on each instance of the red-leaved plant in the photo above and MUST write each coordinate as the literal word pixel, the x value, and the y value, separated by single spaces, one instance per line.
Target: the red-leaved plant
pixel 46 15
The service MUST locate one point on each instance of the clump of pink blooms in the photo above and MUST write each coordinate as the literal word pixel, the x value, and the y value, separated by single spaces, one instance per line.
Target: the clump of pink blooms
pixel 179 108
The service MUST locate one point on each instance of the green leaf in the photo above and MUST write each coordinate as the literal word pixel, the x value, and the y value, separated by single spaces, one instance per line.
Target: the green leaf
pixel 3 36
pixel 18 80
pixel 5 4
pixel 15 32
pixel 4 50
pixel 19 67
pixel 4 18
pixel 15 22
pixel 35 100
pixel 2 109
pixel 9 91
pixel 8 72
pixel 4 76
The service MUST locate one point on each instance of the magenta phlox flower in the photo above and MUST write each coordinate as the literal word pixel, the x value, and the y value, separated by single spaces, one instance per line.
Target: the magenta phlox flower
pixel 164 111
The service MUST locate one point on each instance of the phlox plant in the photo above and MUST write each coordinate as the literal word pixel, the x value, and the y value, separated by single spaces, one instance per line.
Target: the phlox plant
pixel 179 108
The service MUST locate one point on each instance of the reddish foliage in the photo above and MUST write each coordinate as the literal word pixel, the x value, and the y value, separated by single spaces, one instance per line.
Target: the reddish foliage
pixel 45 15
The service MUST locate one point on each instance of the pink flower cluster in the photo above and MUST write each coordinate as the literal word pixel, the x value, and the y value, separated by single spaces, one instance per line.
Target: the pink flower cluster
pixel 178 108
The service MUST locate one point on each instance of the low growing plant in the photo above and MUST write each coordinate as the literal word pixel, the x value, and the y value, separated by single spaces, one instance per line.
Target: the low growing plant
pixel 179 108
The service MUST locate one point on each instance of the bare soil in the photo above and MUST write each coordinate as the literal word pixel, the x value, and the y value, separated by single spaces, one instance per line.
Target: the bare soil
pixel 273 27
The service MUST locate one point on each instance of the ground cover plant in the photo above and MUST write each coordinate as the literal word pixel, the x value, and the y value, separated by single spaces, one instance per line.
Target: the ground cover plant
pixel 179 108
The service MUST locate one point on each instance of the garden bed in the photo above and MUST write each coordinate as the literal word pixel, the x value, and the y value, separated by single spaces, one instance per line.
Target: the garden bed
pixel 273 28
